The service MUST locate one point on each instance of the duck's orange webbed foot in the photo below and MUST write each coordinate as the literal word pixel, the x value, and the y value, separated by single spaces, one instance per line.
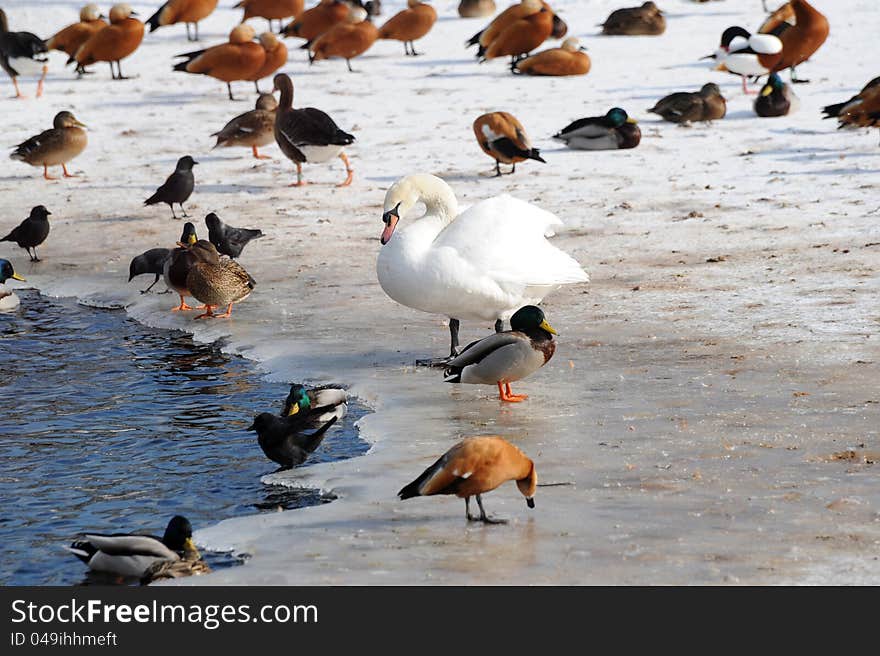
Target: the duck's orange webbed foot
pixel 257 154
pixel 209 312
pixel 228 313
pixel 505 394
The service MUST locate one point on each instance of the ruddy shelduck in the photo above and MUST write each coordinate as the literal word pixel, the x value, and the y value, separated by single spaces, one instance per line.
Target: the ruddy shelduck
pixel 347 40
pixel 503 138
pixel 410 25
pixel 800 41
pixel 313 22
pixel 521 36
pixel 271 9
pixel 114 42
pixel 860 111
pixel 570 59
pixel 473 467
pixel 189 12
pixel 73 36
pixel 476 8
pixel 239 59
pixel 515 12
pixel 276 57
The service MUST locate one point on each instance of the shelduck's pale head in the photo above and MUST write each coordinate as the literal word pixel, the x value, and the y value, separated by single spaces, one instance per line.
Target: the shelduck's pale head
pixel 120 12
pixel 402 196
pixel 268 40
pixel 532 5
pixel 242 34
pixel 356 14
pixel 90 12
pixel 571 44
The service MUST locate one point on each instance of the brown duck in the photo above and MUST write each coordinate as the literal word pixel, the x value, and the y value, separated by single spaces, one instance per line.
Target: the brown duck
pixel 217 281
pixel 646 20
pixel 253 129
pixel 707 104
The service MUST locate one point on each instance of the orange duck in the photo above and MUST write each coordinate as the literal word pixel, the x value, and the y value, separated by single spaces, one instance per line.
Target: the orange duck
pixel 522 35
pixel 503 138
pixel 182 11
pixel 860 111
pixel 270 9
pixel 73 36
pixel 570 59
pixel 799 41
pixel 347 40
pixel 409 25
pixel 276 57
pixel 513 13
pixel 313 22
pixel 112 43
pixel 239 59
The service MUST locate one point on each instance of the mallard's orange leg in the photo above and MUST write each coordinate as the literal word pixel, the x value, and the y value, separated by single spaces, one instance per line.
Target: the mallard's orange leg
pixel 257 154
pixel 40 83
pixel 512 396
pixel 348 170
pixel 66 174
pixel 505 395
pixel 182 306
pixel 46 173
pixel 209 312
pixel 299 177
pixel 228 313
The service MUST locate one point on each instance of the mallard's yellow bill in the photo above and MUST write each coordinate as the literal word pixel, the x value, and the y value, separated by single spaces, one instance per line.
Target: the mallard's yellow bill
pixel 546 326
pixel 766 91
pixel 15 276
pixel 631 120
pixel 191 240
pixel 293 410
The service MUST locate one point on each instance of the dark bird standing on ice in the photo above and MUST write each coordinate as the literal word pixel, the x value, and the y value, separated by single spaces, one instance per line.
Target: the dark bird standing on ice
pixel 177 188
pixel 151 261
pixel 31 232
pixel 227 239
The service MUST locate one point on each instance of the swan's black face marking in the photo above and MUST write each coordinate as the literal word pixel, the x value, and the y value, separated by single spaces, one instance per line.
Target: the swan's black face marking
pixel 386 218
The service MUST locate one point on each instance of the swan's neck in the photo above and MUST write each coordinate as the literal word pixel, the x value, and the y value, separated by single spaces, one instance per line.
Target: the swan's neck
pixel 440 203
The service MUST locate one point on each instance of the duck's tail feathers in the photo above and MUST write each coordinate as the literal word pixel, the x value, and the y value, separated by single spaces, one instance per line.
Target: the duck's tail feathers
pixel 474 40
pixel 82 550
pixel 452 375
pixel 832 111
pixel 535 154
pixel 153 21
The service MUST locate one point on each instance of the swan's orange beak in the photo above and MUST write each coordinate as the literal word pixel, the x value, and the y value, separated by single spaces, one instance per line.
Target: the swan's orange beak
pixel 390 219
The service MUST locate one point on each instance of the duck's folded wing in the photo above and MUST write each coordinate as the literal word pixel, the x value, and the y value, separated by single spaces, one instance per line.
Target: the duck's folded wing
pixel 130 545
pixel 476 351
pixel 313 127
pixel 583 127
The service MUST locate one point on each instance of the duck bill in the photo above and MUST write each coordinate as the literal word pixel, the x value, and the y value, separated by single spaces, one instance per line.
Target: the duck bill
pixel 191 240
pixel 80 124
pixel 294 409
pixel 390 224
pixel 546 326
pixel 15 276
pixel 632 121
pixel 767 90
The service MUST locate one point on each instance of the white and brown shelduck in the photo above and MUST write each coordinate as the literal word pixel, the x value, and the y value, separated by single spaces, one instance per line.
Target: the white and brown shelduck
pixel 503 138
pixel 69 39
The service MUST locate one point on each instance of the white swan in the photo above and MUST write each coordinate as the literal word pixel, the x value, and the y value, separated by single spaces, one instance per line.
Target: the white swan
pixel 482 264
pixel 8 299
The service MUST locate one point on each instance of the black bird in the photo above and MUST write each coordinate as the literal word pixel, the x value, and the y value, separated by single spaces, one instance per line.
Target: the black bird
pixel 282 440
pixel 177 188
pixel 151 261
pixel 227 239
pixel 31 232
pixel 22 53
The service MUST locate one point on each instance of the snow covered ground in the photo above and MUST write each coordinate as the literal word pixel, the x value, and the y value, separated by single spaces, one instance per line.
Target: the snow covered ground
pixel 725 349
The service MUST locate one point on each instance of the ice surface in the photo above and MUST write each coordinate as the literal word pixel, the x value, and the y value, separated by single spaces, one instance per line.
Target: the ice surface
pixel 725 347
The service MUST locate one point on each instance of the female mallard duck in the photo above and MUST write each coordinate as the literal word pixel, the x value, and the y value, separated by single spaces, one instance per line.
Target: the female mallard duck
pixel 314 22
pixel 741 53
pixel 215 281
pixel 308 134
pixel 238 59
pixel 190 564
pixel 507 356
pixel 481 264
pixel 569 59
pixel 189 12
pixel 276 57
pixel 131 554
pixel 776 98
pixel 59 145
pixel 503 138
pixel 8 299
pixel 472 467
pixel 409 25
pixel 69 40
pixel 31 232
pixel 22 53
pixel 315 406
pixel 522 35
pixel 112 43
pixel 476 8
pixel 707 104
pixel 614 131
pixel 176 268
pixel 646 20
pixel 253 129
pixel 283 441
pixel 349 39
pixel 271 9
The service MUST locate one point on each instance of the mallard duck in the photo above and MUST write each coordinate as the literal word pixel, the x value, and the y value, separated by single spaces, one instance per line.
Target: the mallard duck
pixel 276 57
pixel 190 564
pixel 522 35
pixel 59 145
pixel 707 104
pixel 472 467
pixel 22 53
pixel 177 266
pixel 178 186
pixel 482 264
pixel 799 41
pixel 131 554
pixel 227 239
pixel 283 441
pixel 314 22
pixel 189 12
pixel 837 110
pixel 614 131
pixel 507 356
pixel 239 59
pixel 349 39
pixel 69 40
pixel 410 25
pixel 8 299
pixel 253 129
pixel 151 261
pixel 503 138
pixel 776 98
pixel 215 281
pixel 112 43
pixel 646 20
pixel 476 8
pixel 270 9
pixel 741 53
pixel 315 406
pixel 308 134
pixel 31 232
pixel 570 59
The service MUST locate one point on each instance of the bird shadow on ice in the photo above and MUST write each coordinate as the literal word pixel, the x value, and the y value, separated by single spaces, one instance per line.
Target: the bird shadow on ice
pixel 234 188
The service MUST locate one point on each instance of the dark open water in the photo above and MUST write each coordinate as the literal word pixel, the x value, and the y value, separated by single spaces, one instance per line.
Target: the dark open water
pixel 107 426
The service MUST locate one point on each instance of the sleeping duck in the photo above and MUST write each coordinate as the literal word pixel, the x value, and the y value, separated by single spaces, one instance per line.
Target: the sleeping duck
pixel 283 441
pixel 568 59
pixel 8 299
pixel 776 98
pixel 614 131
pixel 131 554
pixel 315 406
pixel 476 8
pixel 22 53
pixel 65 140
pixel 507 356
pixel 707 104
pixel 644 20
pixel 215 281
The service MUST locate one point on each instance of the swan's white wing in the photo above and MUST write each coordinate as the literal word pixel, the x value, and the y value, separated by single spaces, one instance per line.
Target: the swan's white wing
pixel 504 239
